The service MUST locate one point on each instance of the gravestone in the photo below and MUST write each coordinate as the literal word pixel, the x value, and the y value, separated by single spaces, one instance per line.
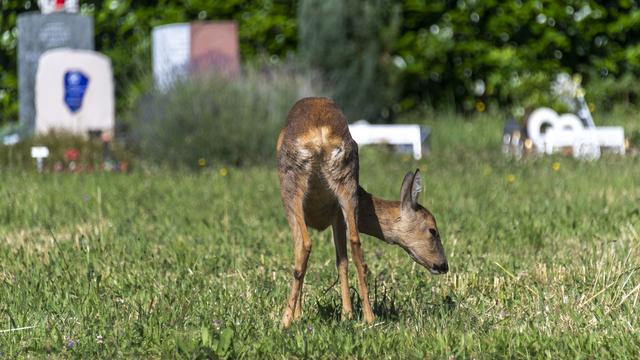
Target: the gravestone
pixel 38 33
pixel 214 47
pixel 74 92
pixel 195 48
pixel 170 53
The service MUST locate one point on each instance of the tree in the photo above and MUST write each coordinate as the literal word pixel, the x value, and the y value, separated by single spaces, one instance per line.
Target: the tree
pixel 350 42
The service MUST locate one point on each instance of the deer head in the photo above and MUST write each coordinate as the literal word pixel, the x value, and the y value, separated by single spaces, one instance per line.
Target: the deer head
pixel 416 230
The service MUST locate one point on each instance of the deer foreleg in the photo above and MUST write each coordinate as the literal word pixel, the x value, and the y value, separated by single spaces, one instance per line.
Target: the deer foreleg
pixel 358 259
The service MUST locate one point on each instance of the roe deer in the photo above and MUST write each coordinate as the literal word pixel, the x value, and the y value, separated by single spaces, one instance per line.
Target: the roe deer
pixel 318 171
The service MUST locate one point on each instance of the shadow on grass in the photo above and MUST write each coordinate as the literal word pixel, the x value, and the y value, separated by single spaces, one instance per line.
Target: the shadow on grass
pixel 388 305
pixel 384 303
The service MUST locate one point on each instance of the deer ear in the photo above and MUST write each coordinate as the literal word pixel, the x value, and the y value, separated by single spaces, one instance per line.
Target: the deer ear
pixel 411 187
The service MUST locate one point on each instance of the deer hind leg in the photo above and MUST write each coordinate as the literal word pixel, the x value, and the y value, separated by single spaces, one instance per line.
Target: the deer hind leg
pixel 293 188
pixel 341 173
pixel 342 263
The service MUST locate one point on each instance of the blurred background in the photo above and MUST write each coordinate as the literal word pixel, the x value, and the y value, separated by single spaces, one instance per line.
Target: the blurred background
pixel 383 61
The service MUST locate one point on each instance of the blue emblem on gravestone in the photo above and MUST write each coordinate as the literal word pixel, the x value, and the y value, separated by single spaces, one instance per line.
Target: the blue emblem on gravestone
pixel 75 86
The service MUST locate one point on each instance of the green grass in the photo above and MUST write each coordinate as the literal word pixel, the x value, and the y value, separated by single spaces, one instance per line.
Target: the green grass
pixel 163 264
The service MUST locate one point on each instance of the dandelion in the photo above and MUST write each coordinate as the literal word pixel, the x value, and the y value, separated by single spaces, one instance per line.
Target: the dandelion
pixel 592 107
pixel 480 106
pixel 223 172
pixel 555 166
pixel 424 168
pixel 99 339
pixel 406 158
pixel 202 162
pixel 511 178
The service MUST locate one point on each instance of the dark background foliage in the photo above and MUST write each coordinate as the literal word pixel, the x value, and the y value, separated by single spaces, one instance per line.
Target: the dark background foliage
pixel 384 57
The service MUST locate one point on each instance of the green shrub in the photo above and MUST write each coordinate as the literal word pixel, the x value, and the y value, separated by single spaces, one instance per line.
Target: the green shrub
pixel 217 119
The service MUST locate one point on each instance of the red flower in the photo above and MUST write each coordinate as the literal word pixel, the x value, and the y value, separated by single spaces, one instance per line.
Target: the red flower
pixel 71 154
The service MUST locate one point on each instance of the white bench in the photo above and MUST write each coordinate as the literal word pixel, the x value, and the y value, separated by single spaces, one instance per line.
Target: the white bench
pixel 364 133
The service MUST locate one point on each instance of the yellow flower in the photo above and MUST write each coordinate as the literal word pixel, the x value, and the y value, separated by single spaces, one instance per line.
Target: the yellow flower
pixel 592 107
pixel 555 166
pixel 528 144
pixel 423 168
pixel 202 162
pixel 406 158
pixel 223 172
pixel 511 178
pixel 480 106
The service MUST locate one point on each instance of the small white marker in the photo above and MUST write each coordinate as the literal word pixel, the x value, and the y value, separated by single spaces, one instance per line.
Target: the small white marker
pixel 39 153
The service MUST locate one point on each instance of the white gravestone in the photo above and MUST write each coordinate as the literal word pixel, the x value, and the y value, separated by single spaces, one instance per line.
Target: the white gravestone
pixel 74 92
pixel 171 52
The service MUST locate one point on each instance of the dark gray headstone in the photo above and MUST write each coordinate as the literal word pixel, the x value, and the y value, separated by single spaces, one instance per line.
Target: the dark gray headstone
pixel 38 33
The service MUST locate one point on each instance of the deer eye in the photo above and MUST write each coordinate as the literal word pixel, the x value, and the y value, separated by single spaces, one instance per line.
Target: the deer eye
pixel 434 233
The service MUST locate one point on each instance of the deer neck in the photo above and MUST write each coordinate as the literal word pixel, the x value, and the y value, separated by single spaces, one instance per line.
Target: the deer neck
pixel 378 217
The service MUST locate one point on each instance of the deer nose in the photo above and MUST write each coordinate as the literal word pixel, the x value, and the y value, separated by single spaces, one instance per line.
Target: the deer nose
pixel 442 268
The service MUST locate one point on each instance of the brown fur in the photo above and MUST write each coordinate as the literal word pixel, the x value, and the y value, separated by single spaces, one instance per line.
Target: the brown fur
pixel 318 172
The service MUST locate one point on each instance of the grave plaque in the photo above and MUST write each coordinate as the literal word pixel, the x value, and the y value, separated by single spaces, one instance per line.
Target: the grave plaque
pixel 38 33
pixel 74 92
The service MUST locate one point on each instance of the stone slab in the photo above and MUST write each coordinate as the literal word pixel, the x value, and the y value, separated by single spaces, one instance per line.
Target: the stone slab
pixel 74 92
pixel 215 47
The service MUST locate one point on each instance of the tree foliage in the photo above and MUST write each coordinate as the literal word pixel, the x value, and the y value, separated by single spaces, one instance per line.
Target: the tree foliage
pixel 350 42
pixel 384 56
pixel 471 49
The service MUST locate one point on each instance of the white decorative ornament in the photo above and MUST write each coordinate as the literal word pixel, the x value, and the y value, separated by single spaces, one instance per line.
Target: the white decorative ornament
pixel 50 6
pixel 545 116
pixel 567 130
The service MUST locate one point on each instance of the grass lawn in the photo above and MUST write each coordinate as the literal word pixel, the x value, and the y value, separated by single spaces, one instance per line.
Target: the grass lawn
pixel 544 260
